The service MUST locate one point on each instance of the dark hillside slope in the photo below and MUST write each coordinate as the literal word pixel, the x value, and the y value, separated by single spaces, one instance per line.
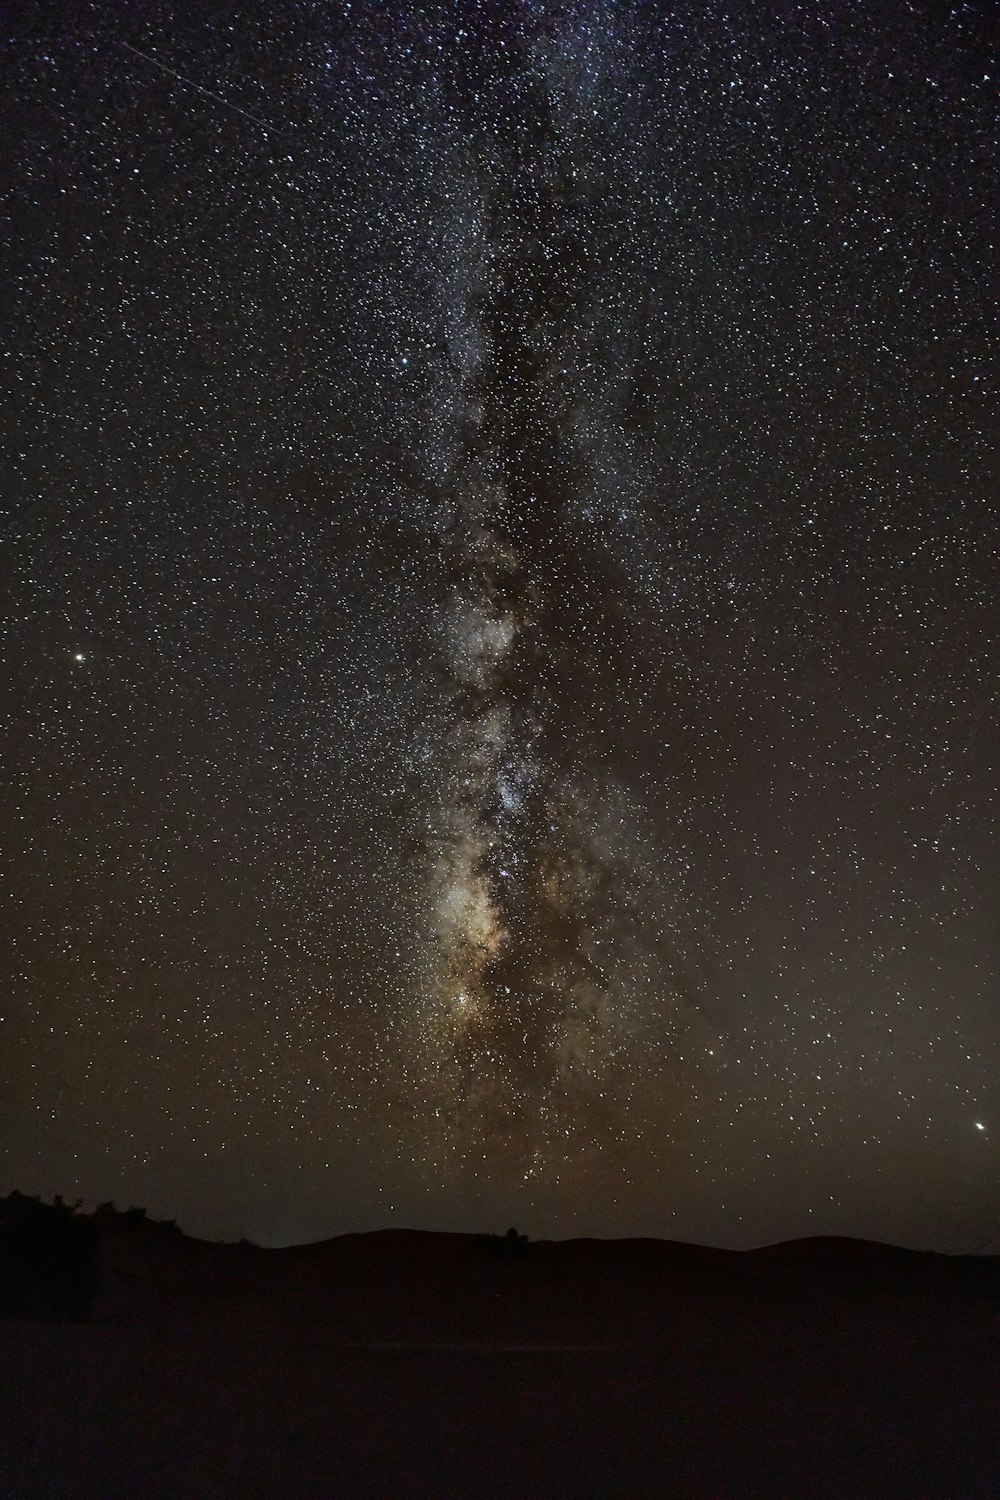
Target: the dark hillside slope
pixel 400 1363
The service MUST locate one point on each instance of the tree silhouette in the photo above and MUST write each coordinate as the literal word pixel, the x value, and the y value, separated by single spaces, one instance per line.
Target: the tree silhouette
pixel 49 1264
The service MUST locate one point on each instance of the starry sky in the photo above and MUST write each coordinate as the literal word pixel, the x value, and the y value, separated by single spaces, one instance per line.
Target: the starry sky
pixel 499 632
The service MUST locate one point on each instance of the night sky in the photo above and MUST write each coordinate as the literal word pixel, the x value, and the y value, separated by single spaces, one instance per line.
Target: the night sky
pixel 499 617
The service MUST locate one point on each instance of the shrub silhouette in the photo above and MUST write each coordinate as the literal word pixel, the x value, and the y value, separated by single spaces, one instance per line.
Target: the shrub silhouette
pixel 49 1264
pixel 511 1245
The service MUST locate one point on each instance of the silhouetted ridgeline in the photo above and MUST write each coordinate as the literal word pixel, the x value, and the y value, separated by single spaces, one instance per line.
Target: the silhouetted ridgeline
pixel 59 1263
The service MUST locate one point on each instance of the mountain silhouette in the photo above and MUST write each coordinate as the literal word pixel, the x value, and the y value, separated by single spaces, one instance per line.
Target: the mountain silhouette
pixel 406 1363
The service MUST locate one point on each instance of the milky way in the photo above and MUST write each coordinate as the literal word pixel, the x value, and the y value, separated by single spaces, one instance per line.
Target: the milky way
pixel 526 895
pixel 500 645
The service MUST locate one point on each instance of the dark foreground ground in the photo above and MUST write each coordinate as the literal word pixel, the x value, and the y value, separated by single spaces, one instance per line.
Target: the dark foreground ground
pixel 402 1364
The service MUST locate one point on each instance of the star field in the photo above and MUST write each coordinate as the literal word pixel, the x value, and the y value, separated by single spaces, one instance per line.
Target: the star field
pixel 499 629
